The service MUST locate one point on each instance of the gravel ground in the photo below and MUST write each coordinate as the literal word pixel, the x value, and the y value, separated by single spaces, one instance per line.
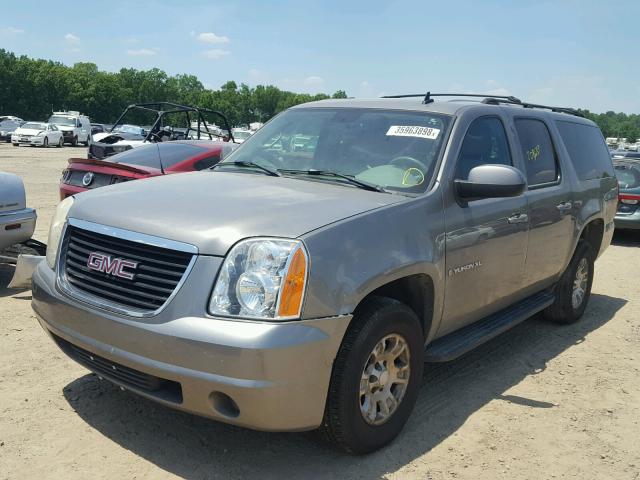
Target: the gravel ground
pixel 541 401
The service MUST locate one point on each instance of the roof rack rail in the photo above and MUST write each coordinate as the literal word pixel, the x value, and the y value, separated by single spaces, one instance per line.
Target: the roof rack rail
pixel 489 100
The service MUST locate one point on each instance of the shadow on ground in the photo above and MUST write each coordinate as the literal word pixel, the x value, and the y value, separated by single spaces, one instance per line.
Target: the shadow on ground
pixel 193 447
pixel 626 238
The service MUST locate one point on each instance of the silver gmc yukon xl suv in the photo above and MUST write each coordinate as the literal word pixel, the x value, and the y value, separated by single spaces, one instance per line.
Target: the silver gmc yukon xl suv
pixel 303 282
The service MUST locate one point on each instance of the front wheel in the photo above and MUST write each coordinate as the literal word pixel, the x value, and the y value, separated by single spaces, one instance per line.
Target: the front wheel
pixel 45 142
pixel 574 288
pixel 376 377
pixel 60 142
pixel 74 142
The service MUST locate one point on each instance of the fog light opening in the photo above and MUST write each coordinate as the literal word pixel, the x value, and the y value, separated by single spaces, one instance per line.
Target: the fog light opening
pixel 224 404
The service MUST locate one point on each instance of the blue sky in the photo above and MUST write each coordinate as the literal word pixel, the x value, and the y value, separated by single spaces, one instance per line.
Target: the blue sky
pixel 564 52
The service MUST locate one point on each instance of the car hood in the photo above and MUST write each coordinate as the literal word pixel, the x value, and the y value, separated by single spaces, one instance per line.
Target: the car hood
pixel 27 131
pixel 214 210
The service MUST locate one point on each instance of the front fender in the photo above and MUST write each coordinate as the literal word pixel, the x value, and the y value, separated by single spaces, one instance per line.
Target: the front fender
pixel 353 257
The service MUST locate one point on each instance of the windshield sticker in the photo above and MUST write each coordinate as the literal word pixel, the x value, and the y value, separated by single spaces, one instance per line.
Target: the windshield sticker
pixel 413 131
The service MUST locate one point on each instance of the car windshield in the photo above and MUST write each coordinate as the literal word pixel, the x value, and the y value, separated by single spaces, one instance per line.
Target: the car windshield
pixel 35 126
pixel 628 174
pixel 396 150
pixel 129 129
pixel 62 120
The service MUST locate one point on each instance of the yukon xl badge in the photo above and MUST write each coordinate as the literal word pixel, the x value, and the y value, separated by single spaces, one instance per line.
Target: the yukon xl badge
pixel 464 268
pixel 101 262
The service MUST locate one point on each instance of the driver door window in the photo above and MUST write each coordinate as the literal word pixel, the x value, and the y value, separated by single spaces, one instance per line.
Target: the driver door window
pixel 484 143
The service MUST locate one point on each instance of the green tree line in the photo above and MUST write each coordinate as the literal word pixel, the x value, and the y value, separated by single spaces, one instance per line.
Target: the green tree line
pixel 33 88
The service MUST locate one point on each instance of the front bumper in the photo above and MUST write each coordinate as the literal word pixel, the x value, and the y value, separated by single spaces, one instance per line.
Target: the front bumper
pixel 35 141
pixel 276 374
pixel 16 226
pixel 628 221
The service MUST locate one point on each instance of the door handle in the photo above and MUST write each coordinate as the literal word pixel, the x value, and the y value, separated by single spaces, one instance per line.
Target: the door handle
pixel 564 206
pixel 518 218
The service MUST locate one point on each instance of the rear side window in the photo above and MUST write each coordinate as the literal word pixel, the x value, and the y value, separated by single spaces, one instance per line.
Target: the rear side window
pixel 628 175
pixel 587 150
pixel 537 151
pixel 484 143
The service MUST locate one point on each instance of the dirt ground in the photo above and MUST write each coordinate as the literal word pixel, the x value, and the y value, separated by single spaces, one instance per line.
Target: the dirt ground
pixel 540 402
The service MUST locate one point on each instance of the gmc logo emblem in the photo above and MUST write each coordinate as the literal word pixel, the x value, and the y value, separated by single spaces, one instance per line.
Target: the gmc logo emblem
pixel 101 262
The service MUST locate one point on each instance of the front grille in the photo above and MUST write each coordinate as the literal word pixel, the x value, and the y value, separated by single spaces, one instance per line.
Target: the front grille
pixel 159 387
pixel 156 277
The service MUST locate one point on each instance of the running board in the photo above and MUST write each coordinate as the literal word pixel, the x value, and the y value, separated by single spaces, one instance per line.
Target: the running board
pixel 458 343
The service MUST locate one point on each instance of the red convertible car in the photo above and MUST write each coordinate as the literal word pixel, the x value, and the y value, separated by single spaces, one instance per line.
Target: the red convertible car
pixel 143 162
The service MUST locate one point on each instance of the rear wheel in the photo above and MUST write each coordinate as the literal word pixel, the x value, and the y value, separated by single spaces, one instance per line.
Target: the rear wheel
pixel 574 288
pixel 376 377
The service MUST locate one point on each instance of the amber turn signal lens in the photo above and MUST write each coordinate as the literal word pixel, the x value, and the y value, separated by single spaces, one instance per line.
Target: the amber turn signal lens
pixel 293 286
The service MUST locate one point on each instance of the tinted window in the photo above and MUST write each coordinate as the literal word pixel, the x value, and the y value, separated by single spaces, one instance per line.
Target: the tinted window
pixel 147 155
pixel 587 150
pixel 484 143
pixel 537 151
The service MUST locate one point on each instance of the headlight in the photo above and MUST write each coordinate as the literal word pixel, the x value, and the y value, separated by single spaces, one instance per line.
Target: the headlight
pixel 55 231
pixel 262 278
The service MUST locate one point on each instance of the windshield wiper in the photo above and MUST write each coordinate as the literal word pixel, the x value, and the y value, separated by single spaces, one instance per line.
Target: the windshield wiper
pixel 242 163
pixel 327 173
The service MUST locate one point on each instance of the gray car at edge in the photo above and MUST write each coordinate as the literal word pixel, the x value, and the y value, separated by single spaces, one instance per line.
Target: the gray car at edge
pixel 304 282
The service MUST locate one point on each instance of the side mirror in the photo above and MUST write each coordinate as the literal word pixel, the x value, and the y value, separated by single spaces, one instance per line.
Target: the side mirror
pixel 491 181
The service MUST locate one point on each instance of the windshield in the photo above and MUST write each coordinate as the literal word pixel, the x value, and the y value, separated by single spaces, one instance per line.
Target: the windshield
pixel 62 120
pixel 35 126
pixel 129 129
pixel 628 175
pixel 395 150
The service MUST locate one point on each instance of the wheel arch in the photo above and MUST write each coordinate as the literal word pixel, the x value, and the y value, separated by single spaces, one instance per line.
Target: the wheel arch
pixel 415 291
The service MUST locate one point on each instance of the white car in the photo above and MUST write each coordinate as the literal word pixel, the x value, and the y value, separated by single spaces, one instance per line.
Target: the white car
pixel 17 222
pixel 37 134
pixel 75 127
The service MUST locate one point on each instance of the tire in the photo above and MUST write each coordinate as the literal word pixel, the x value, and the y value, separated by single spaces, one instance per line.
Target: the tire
pixel 344 424
pixel 60 142
pixel 45 142
pixel 16 144
pixel 86 142
pixel 564 310
pixel 74 141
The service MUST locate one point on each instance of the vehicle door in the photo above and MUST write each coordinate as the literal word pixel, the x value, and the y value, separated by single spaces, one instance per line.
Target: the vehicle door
pixel 54 134
pixel 486 239
pixel 86 129
pixel 550 202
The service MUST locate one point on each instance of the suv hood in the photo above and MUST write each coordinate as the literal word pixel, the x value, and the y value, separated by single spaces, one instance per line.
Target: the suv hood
pixel 65 128
pixel 214 210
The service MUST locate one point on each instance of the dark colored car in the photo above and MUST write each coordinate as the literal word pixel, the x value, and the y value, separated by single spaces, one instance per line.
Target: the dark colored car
pixel 7 127
pixel 627 170
pixel 146 161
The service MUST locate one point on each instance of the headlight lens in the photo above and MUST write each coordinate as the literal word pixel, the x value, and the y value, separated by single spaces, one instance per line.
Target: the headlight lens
pixel 55 231
pixel 262 278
